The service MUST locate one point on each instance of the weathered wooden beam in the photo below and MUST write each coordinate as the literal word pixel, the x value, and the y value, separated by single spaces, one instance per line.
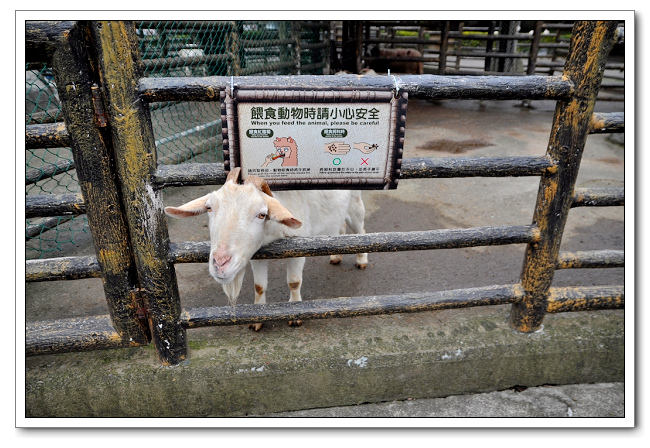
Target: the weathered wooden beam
pixel 75 76
pixel 598 197
pixel 49 116
pixel 193 174
pixel 134 153
pixel 265 43
pixel 71 268
pixel 430 87
pixel 612 122
pixel 590 44
pixel 49 135
pixel 585 298
pixel 351 306
pixel 54 205
pixel 449 167
pixel 591 259
pixel 42 38
pixel 193 252
pixel 62 268
pixel 51 223
pixel 48 170
pixel 96 332
pixel 167 63
pixel 73 335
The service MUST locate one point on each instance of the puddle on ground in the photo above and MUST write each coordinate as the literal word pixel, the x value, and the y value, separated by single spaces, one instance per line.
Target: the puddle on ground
pixel 454 146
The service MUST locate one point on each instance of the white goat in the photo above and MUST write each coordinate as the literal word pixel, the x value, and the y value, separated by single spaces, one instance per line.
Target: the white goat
pixel 245 217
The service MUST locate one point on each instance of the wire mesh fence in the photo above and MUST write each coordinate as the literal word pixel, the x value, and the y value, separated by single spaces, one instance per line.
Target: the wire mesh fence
pixel 191 131
pixel 184 131
pixel 47 170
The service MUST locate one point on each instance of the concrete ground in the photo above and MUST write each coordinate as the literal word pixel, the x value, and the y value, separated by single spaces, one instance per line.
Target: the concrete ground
pixel 592 342
pixel 573 400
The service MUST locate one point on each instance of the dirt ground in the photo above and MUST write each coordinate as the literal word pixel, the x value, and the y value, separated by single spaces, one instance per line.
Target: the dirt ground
pixel 434 129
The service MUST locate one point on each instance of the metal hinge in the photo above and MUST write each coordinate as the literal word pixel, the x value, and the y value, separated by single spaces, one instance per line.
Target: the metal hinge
pixel 100 115
pixel 141 309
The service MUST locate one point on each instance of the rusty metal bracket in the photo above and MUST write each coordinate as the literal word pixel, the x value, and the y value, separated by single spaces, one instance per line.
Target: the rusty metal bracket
pixel 100 116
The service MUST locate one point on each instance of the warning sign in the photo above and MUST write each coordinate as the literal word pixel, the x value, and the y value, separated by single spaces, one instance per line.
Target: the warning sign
pixel 297 139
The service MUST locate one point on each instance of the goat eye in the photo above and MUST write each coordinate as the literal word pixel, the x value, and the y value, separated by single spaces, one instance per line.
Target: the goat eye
pixel 208 208
pixel 262 216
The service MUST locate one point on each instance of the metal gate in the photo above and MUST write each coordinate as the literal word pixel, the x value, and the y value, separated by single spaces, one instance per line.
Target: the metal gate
pixel 105 99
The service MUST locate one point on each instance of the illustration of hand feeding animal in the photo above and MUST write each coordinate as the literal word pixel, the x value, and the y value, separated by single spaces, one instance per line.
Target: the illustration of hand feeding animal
pixel 245 217
pixel 341 148
pixel 286 149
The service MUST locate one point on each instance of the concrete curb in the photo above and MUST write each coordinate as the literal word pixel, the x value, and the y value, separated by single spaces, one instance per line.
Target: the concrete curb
pixel 233 371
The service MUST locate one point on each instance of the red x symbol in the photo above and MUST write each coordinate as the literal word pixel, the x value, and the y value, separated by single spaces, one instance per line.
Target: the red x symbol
pixel 364 161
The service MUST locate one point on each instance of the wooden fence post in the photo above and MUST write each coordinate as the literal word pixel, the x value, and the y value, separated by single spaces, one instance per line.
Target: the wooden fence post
pixel 234 49
pixel 444 42
pixel 590 44
pixel 120 68
pixel 90 145
pixel 296 32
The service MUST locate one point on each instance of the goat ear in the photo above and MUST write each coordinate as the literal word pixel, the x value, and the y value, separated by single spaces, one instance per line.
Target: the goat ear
pixel 233 175
pixel 259 183
pixel 192 208
pixel 279 213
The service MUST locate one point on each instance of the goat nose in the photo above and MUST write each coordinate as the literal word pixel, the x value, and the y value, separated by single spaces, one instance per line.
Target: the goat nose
pixel 221 258
pixel 220 261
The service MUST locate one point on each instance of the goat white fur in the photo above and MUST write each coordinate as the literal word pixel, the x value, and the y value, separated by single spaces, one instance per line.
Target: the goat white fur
pixel 245 217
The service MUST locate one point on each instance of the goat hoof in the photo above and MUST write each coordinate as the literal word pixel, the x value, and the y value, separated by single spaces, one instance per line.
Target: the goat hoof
pixel 294 323
pixel 361 266
pixel 335 259
pixel 256 327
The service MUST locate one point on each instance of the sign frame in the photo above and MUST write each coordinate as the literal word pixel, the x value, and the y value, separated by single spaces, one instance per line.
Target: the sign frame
pixel 386 177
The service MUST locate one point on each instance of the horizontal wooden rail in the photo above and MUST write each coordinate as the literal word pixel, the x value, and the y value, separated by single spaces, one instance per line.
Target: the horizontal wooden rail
pixel 193 174
pixel 460 35
pixel 48 135
pixel 71 268
pixel 612 122
pixel 561 300
pixel 72 335
pixel 192 252
pixel 448 167
pixel 370 59
pixel 598 197
pixel 62 268
pixel 45 225
pixel 495 54
pixel 469 72
pixel 313 46
pixel 189 174
pixel 265 43
pixel 96 332
pixel 48 170
pixel 585 298
pixel 351 306
pixel 591 259
pixel 42 38
pixel 430 87
pixel 271 66
pixel 184 61
pixel 54 205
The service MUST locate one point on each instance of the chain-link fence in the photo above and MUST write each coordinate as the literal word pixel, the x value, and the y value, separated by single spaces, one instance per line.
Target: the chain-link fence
pixel 184 131
pixel 191 131
pixel 47 170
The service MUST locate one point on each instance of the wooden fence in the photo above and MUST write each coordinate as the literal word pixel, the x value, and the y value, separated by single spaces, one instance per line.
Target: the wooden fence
pixel 121 182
